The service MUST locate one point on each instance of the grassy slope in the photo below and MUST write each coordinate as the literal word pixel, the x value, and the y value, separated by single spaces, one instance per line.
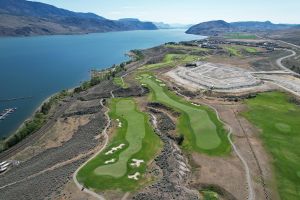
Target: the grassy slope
pixel 237 50
pixel 233 50
pixel 150 146
pixel 171 60
pixel 212 138
pixel 239 36
pixel 279 121
pixel 119 81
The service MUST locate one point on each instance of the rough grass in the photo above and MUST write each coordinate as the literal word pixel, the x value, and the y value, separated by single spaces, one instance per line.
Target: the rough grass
pixel 279 122
pixel 233 50
pixel 141 143
pixel 240 36
pixel 171 60
pixel 120 82
pixel 202 130
pixel 209 195
pixel 238 50
pixel 250 49
pixel 184 47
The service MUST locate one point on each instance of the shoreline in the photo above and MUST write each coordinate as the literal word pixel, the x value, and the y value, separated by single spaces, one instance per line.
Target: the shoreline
pixel 29 118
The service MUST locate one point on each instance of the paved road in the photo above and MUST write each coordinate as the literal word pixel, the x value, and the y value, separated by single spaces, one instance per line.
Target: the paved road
pixel 279 60
pixel 290 44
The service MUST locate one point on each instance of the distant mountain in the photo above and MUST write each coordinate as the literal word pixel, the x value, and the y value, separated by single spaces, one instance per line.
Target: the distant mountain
pixel 135 24
pixel 26 18
pixel 162 25
pixel 210 28
pixel 219 27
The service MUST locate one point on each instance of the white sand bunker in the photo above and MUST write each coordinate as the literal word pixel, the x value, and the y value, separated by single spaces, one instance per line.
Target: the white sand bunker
pixel 136 162
pixel 119 123
pixel 110 161
pixel 195 104
pixel 114 149
pixel 134 176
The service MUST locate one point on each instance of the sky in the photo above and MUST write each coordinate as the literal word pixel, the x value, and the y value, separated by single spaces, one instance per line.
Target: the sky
pixel 188 11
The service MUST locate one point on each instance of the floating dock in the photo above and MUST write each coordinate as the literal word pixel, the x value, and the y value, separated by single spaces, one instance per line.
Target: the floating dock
pixel 7 112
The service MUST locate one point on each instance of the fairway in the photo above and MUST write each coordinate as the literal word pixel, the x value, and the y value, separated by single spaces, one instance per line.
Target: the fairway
pixel 135 141
pixel 171 60
pixel 120 82
pixel 279 122
pixel 203 131
pixel 240 36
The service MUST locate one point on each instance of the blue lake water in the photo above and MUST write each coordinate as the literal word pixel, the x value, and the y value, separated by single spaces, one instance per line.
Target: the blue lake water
pixel 41 66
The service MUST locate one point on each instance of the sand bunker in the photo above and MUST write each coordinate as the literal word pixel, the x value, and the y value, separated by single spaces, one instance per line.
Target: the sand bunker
pixel 136 162
pixel 134 176
pixel 110 161
pixel 114 149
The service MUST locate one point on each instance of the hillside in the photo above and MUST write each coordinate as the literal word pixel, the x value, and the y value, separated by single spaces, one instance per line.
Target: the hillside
pixel 26 18
pixel 219 26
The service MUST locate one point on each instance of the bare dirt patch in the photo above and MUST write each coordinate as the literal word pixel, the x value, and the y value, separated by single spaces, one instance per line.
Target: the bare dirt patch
pixel 61 132
pixel 246 138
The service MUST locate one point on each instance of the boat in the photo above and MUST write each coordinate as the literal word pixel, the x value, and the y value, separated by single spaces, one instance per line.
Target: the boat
pixel 3 169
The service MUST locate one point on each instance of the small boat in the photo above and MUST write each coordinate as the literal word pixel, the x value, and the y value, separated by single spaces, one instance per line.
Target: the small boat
pixel 3 169
pixel 3 163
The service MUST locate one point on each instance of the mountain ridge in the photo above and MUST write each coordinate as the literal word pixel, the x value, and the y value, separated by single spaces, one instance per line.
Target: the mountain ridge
pixel 27 18
pixel 217 27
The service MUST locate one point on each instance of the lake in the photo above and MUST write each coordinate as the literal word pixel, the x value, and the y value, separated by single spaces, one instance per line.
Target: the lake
pixel 43 65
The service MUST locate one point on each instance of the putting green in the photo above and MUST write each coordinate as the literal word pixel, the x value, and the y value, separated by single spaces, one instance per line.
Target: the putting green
pixel 199 123
pixel 110 171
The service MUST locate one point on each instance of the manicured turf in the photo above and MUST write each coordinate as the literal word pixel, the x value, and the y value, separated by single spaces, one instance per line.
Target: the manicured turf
pixel 202 130
pixel 209 195
pixel 184 47
pixel 279 122
pixel 233 50
pixel 238 50
pixel 172 60
pixel 140 143
pixel 250 49
pixel 120 82
pixel 240 36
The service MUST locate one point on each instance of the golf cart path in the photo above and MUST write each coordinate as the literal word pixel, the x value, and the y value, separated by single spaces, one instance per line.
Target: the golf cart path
pixel 279 60
pixel 104 132
pixel 251 194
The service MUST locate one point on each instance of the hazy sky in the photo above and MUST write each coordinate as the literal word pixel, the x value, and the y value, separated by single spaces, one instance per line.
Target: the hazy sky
pixel 188 11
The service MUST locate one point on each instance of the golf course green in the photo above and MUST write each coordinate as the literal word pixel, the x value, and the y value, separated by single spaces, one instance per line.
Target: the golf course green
pixel 171 60
pixel 134 139
pixel 279 122
pixel 202 130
